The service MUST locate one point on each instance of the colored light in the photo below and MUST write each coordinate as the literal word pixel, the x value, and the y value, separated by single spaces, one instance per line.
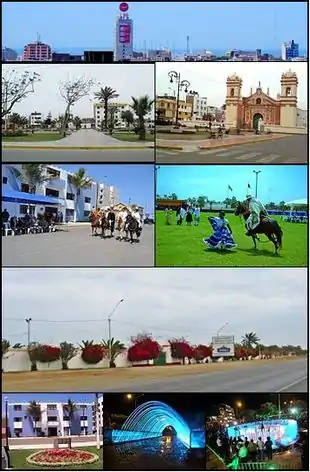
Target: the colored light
pixel 150 419
pixel 282 432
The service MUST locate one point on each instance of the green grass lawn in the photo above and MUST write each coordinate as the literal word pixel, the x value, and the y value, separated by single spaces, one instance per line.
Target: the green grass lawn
pixel 36 137
pixel 18 460
pixel 182 246
pixel 185 137
pixel 133 137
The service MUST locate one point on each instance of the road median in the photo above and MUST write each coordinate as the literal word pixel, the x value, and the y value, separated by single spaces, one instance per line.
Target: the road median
pixel 237 143
pixel 78 148
pixel 169 148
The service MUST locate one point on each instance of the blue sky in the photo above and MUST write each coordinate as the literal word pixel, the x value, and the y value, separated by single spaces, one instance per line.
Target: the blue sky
pixel 92 24
pixel 134 181
pixel 276 183
pixel 47 398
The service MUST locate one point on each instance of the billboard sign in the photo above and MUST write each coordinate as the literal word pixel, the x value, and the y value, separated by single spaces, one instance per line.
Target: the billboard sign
pixel 124 33
pixel 223 346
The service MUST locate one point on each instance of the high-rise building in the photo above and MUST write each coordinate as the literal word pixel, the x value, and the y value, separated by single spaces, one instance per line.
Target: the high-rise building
pixel 123 35
pixel 9 54
pixel 108 195
pixel 290 50
pixel 37 51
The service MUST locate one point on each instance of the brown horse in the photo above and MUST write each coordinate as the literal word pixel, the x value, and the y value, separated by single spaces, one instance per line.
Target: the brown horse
pixel 121 227
pixel 267 226
pixel 104 224
pixel 94 218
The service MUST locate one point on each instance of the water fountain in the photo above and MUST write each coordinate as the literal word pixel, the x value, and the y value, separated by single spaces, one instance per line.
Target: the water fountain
pixel 150 419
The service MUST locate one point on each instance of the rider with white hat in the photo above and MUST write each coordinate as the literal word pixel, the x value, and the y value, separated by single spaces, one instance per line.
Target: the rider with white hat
pixel 136 214
pixel 257 209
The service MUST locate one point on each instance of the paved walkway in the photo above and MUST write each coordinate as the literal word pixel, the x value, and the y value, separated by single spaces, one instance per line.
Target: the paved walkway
pixel 81 138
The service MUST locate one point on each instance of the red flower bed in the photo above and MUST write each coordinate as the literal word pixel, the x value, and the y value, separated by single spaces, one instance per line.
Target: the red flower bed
pixel 181 349
pixel 241 352
pixel 93 354
pixel 143 349
pixel 61 457
pixel 202 352
pixel 45 353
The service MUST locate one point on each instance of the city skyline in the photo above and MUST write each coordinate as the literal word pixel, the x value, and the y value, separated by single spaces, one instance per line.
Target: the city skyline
pixel 21 21
pixel 168 303
pixel 209 79
pixel 213 181
pixel 46 96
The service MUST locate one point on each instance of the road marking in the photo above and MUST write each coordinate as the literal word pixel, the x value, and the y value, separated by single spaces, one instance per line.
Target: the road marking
pixel 292 384
pixel 209 151
pixel 170 153
pixel 229 153
pixel 269 158
pixel 249 155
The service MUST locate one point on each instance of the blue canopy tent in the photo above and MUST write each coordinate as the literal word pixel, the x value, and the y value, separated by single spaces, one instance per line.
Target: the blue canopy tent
pixel 27 198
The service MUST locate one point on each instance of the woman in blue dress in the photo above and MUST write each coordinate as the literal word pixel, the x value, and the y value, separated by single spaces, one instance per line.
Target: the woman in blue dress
pixel 222 237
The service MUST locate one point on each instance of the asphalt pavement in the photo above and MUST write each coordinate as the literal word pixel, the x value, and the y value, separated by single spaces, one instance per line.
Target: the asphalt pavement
pixel 288 150
pixel 290 376
pixel 76 247
pixel 79 156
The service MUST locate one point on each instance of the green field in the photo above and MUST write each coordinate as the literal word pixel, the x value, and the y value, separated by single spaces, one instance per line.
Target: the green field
pixel 133 137
pixel 36 137
pixel 18 460
pixel 182 246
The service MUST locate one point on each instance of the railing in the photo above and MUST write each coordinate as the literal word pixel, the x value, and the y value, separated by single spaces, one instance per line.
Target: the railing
pixel 292 465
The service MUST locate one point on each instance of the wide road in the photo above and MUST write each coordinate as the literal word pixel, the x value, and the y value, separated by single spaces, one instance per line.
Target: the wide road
pixel 290 376
pixel 289 150
pixel 62 156
pixel 77 248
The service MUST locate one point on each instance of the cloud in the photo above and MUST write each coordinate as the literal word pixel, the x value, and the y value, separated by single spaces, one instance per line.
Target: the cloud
pixel 74 304
pixel 209 78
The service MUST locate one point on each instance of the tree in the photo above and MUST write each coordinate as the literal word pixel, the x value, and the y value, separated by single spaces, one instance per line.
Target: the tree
pixel 5 346
pixel 70 408
pixel 128 117
pixel 142 106
pixel 67 352
pixel 34 175
pixel 77 122
pixel 202 352
pixel 80 181
pixel 34 411
pixel 105 95
pixel 249 340
pixel 201 201
pixel 267 410
pixel 16 87
pixel 112 110
pixel 181 349
pixel 114 348
pixel 86 343
pixel 15 119
pixel 143 348
pixel 72 91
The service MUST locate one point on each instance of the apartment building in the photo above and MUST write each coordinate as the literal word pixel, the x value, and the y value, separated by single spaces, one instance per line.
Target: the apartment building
pixel 166 107
pixel 108 195
pixel 35 119
pixel 118 109
pixel 37 51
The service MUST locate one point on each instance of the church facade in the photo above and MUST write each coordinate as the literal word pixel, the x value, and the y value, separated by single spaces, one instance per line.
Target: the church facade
pixel 259 108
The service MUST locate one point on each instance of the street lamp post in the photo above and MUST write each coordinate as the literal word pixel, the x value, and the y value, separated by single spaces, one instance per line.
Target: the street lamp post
pixel 256 172
pixel 6 422
pixel 28 321
pixel 221 329
pixel 238 407
pixel 109 324
pixel 176 77
pixel 97 422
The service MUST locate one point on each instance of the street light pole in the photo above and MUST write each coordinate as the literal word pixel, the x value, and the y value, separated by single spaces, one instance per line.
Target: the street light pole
pixel 256 172
pixel 109 325
pixel 221 329
pixel 176 76
pixel 6 422
pixel 97 423
pixel 28 321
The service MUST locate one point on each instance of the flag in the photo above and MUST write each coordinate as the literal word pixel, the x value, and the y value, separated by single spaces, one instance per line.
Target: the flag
pixel 229 188
pixel 249 186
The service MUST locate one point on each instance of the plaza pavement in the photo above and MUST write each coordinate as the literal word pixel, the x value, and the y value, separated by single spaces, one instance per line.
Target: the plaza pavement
pixel 82 139
pixel 76 247
pixel 285 150
pixel 40 156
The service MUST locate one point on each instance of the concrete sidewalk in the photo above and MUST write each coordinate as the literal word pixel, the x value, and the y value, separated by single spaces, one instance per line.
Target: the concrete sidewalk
pixel 181 145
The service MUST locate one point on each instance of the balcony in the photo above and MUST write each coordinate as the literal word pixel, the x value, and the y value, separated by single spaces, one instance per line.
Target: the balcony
pixel 52 424
pixel 70 204
pixel 18 425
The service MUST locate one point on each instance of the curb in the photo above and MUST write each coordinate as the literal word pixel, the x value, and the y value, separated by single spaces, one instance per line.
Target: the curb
pixel 79 148
pixel 227 145
pixel 170 148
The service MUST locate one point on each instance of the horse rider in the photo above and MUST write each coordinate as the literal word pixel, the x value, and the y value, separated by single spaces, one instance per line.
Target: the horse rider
pixel 136 214
pixel 111 219
pixel 257 209
pixel 122 215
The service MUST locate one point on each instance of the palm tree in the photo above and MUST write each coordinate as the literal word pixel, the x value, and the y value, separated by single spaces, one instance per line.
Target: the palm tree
pixel 128 117
pixel 81 182
pixel 34 175
pixel 142 106
pixel 86 344
pixel 114 347
pixel 67 352
pixel 77 122
pixel 70 408
pixel 249 340
pixel 112 109
pixel 5 346
pixel 104 95
pixel 34 411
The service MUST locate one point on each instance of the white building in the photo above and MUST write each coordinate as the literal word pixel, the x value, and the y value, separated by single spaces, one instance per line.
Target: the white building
pixel 59 188
pixel 159 55
pixel 118 108
pixel 302 118
pixel 200 106
pixel 35 119
pixel 108 195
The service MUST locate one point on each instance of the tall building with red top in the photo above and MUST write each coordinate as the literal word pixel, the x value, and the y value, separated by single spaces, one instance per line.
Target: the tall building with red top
pixel 37 51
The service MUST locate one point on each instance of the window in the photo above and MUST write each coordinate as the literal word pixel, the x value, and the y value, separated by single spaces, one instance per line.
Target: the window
pixel 288 92
pixel 83 407
pixel 17 419
pixel 52 418
pixel 86 213
pixel 17 408
pixel 53 173
pixel 83 418
pixel 232 92
pixel 51 193
pixel 25 188
pixel 66 418
pixel 4 180
pixel 51 407
pixel 70 196
pixel 87 200
pixel 258 101
pixel 23 209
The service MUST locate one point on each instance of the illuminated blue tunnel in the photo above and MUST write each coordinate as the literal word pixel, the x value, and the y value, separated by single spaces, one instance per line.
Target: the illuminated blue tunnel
pixel 150 419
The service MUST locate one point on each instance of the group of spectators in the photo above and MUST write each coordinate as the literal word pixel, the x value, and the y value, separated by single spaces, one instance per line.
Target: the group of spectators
pixel 29 223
